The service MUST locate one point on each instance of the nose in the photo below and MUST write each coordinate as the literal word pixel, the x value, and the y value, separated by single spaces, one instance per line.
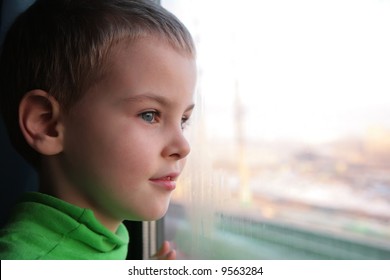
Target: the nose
pixel 177 146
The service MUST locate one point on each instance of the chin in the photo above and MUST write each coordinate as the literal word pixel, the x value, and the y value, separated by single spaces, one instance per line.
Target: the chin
pixel 151 214
pixel 155 216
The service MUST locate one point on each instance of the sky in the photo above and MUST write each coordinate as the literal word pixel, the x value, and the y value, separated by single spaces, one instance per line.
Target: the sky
pixel 304 70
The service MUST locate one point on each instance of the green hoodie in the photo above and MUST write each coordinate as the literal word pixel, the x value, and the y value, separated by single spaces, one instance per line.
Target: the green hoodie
pixel 45 227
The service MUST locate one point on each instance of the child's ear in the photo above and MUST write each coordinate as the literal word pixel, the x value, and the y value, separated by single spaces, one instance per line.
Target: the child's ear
pixel 40 122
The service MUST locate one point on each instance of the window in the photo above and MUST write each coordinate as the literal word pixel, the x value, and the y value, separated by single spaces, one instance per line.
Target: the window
pixel 291 141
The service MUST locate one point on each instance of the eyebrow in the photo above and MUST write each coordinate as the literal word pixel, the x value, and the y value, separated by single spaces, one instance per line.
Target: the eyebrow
pixel 157 98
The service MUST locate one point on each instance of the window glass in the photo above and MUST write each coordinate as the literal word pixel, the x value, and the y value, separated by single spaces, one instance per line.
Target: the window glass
pixel 291 138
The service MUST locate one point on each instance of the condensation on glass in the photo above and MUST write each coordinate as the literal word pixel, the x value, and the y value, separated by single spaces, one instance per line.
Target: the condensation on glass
pixel 291 138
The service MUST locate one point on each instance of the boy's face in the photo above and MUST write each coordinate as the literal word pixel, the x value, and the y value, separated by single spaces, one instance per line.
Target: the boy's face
pixel 123 143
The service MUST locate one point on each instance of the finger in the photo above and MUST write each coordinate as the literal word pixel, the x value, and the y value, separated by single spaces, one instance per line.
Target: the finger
pixel 164 249
pixel 171 255
pixel 165 252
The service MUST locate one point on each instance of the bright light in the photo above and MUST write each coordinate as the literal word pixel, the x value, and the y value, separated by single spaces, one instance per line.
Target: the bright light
pixel 305 70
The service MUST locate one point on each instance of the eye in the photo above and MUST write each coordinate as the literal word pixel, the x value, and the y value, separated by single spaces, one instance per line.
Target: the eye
pixel 184 122
pixel 149 116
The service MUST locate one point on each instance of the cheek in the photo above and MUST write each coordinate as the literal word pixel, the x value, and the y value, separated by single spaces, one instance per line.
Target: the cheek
pixel 86 145
pixel 116 158
pixel 110 146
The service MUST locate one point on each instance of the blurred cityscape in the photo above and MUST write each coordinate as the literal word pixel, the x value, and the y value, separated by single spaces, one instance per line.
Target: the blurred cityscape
pixel 341 187
pixel 294 129
pixel 284 200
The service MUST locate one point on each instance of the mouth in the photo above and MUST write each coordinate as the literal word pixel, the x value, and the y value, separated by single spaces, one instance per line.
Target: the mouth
pixel 167 182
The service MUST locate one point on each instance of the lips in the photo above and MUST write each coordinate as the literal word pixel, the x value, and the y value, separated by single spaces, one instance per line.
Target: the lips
pixel 167 182
pixel 167 178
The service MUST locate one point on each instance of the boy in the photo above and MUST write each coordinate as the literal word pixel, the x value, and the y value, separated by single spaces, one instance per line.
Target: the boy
pixel 95 94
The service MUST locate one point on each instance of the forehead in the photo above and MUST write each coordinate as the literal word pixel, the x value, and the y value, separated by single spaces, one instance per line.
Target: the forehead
pixel 144 67
pixel 149 56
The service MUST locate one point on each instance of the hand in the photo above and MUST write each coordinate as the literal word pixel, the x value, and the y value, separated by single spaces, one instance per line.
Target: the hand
pixel 165 252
